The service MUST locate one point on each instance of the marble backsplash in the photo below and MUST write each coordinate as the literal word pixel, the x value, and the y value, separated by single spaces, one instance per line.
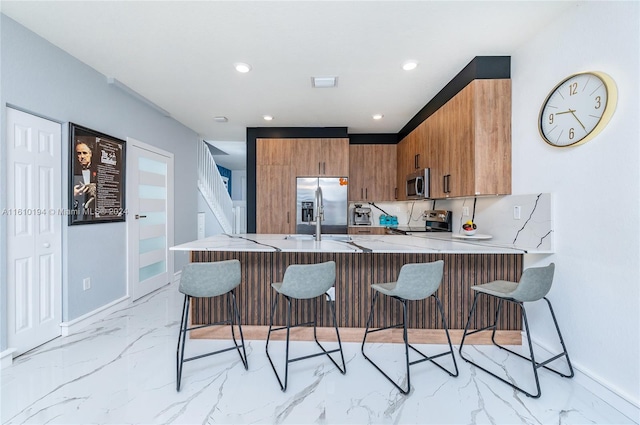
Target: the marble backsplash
pixel 494 216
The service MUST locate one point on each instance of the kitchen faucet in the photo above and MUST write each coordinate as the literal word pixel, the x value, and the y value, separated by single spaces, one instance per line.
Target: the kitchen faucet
pixel 319 214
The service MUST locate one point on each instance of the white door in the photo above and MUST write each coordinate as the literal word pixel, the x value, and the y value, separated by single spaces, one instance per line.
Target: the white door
pixel 150 217
pixel 34 223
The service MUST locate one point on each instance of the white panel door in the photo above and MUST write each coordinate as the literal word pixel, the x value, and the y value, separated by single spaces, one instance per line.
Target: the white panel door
pixel 34 223
pixel 150 217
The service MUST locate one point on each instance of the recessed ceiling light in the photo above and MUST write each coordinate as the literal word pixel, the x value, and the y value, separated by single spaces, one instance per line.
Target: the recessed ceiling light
pixel 409 65
pixel 220 119
pixel 267 117
pixel 242 67
pixel 324 82
pixel 377 116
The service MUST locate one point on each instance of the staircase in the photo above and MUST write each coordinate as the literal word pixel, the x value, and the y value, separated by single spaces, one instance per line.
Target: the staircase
pixel 213 190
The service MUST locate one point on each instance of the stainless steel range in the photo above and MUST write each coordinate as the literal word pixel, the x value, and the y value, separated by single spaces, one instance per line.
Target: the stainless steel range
pixel 435 221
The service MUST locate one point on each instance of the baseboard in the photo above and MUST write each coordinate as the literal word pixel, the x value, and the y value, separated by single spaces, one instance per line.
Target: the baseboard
pixel 6 358
pixel 610 394
pixel 75 325
pixel 176 276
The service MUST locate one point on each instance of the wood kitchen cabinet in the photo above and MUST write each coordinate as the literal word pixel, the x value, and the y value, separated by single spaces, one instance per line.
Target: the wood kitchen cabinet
pixel 278 163
pixel 367 230
pixel 274 151
pixel 275 199
pixel 470 142
pixel 275 186
pixel 321 157
pixel 412 156
pixel 372 173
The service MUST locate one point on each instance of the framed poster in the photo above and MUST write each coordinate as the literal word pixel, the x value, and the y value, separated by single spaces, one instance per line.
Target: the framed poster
pixel 97 180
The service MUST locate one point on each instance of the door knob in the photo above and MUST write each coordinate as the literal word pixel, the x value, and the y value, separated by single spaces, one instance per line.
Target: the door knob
pixel 46 244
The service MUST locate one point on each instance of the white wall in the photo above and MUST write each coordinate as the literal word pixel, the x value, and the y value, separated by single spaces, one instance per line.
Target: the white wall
pixel 211 224
pixel 42 79
pixel 239 185
pixel 596 189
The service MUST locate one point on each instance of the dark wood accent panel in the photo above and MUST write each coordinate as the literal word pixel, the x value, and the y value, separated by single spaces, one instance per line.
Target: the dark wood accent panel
pixel 354 275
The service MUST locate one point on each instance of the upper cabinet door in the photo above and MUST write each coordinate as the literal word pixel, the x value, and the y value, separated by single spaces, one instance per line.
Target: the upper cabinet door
pixel 372 173
pixel 470 142
pixel 335 157
pixel 321 157
pixel 274 151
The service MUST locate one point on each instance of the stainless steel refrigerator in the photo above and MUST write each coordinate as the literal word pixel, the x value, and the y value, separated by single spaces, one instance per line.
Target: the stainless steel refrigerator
pixel 334 203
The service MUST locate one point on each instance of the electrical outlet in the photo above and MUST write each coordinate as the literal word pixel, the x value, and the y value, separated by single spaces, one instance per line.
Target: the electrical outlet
pixel 516 212
pixel 201 224
pixel 331 294
pixel 86 283
pixel 465 211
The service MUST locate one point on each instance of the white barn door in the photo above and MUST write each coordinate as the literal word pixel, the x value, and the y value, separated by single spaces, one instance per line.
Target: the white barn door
pixel 34 223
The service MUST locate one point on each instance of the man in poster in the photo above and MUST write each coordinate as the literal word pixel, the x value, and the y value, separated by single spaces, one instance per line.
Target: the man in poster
pixel 84 181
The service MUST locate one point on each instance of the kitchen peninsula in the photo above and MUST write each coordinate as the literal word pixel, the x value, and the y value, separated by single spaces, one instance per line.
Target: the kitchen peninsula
pixel 360 261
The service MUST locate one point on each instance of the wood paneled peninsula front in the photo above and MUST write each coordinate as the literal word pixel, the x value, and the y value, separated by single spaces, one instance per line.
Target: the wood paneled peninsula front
pixel 360 261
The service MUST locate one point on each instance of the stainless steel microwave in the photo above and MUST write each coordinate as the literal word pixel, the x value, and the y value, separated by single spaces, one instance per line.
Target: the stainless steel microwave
pixel 418 185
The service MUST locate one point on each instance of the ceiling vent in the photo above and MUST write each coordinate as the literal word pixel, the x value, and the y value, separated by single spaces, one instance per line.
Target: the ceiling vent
pixel 324 82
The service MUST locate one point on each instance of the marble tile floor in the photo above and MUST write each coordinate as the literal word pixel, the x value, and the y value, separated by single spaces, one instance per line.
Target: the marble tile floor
pixel 121 370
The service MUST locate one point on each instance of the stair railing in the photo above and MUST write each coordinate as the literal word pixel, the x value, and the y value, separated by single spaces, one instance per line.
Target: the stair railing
pixel 213 189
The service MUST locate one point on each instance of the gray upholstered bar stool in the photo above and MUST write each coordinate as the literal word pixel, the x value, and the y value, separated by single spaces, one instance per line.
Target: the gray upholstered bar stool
pixel 415 282
pixel 534 285
pixel 305 282
pixel 204 280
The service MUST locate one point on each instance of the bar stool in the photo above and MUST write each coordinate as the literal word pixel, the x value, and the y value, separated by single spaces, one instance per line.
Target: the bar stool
pixel 204 280
pixel 534 285
pixel 305 281
pixel 415 282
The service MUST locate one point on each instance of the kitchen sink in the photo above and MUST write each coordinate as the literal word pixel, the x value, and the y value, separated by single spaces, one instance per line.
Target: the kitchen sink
pixel 339 238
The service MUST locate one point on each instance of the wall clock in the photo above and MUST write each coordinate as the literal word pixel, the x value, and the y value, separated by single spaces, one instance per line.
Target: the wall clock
pixel 577 109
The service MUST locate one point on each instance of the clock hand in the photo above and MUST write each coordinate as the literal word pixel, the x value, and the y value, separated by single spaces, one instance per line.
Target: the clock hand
pixel 568 111
pixel 577 119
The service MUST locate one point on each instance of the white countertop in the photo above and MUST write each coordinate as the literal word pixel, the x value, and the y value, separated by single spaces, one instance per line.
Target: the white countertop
pixel 416 243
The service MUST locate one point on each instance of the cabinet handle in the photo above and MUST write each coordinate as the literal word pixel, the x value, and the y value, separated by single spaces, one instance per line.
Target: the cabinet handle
pixel 324 168
pixel 395 193
pixel 366 193
pixel 417 161
pixel 287 217
pixel 319 168
pixel 361 193
pixel 446 183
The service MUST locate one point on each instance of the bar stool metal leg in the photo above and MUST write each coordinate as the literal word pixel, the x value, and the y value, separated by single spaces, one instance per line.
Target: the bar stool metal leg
pixel 181 341
pixel 534 364
pixel 184 329
pixel 288 326
pixel 234 313
pixel 405 337
pixel 206 280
